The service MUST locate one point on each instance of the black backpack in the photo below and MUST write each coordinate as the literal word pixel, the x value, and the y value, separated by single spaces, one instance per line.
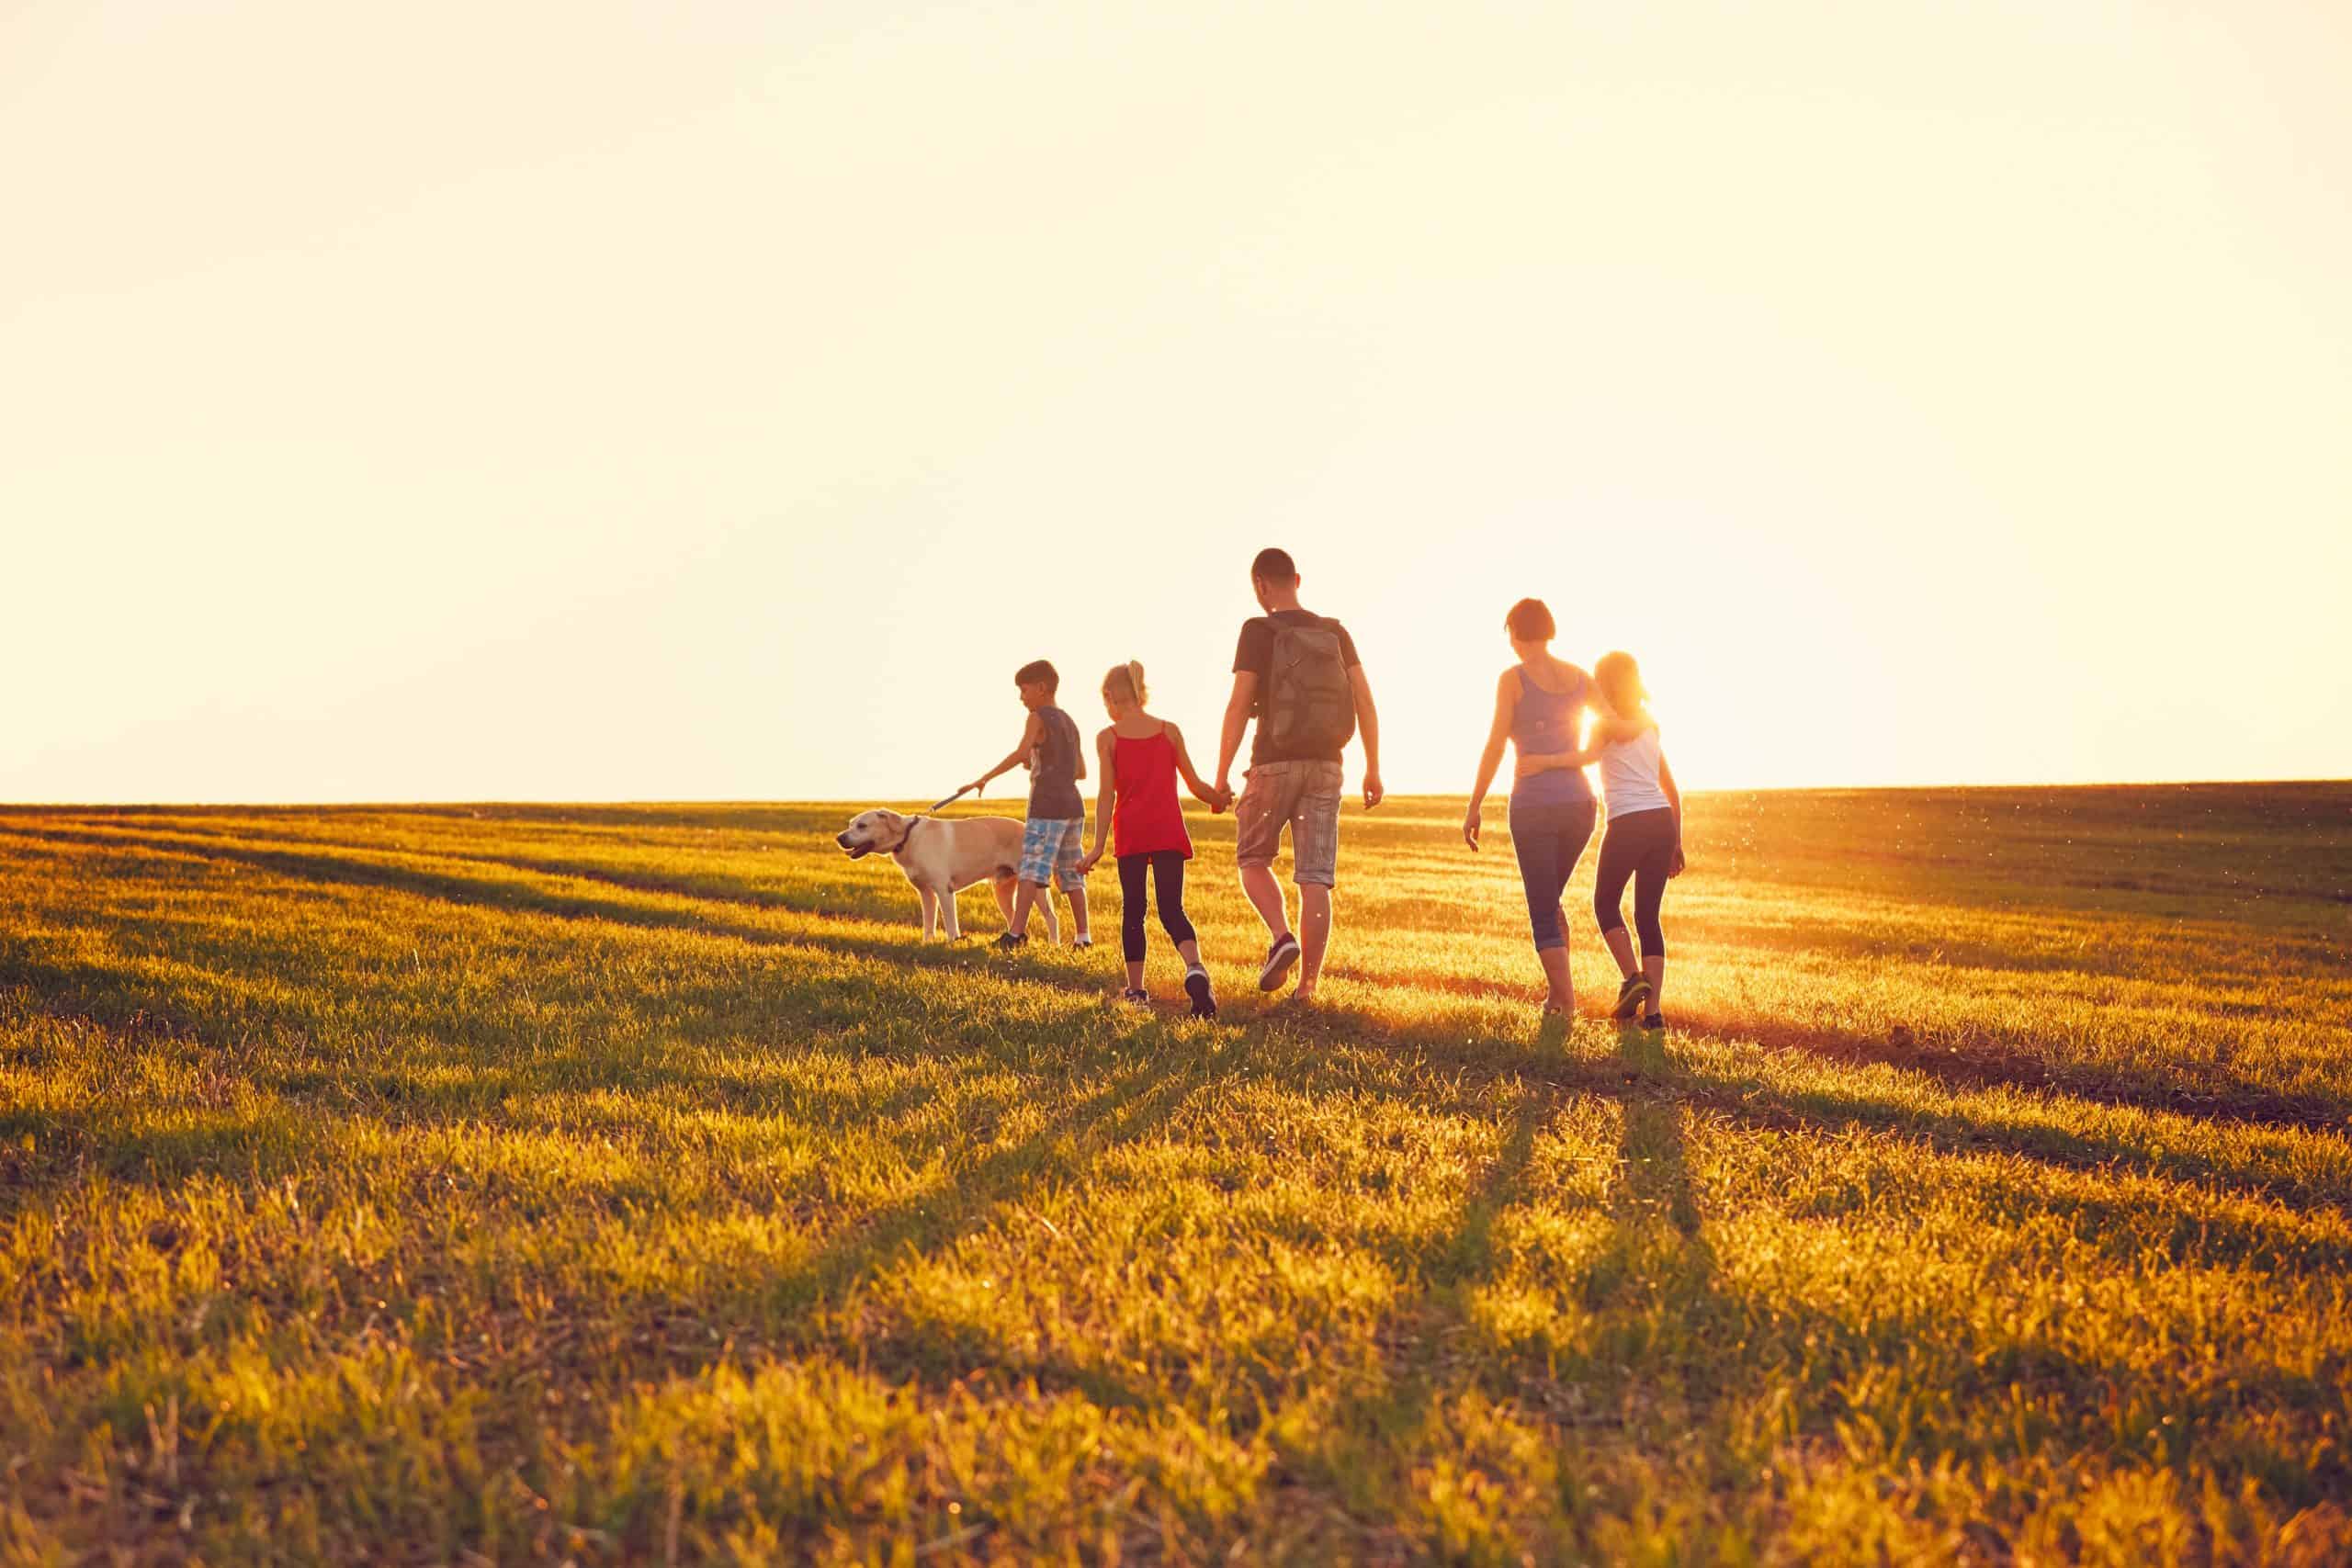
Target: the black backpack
pixel 1308 704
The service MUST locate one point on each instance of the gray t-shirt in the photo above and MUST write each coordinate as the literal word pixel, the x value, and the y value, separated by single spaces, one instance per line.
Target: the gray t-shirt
pixel 1056 770
pixel 1255 653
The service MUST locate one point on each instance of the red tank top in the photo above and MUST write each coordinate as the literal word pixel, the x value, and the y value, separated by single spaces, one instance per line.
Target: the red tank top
pixel 1145 818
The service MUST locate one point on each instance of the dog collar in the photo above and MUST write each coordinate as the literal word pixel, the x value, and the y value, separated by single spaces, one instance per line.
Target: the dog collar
pixel 907 837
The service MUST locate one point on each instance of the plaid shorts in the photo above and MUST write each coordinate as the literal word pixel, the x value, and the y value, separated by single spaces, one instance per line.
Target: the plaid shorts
pixel 1050 850
pixel 1302 796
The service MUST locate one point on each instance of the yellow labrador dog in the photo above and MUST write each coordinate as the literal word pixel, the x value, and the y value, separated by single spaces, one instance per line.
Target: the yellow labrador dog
pixel 942 856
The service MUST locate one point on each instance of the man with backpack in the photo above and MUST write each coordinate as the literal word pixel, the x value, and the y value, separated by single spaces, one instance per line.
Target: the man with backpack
pixel 1298 674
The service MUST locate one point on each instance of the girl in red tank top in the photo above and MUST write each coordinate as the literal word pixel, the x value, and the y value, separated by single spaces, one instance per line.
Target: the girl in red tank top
pixel 1142 757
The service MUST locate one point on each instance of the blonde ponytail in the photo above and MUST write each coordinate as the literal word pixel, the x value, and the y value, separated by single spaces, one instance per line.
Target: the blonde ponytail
pixel 1126 682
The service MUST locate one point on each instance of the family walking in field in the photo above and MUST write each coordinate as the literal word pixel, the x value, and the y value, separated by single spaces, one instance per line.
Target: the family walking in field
pixel 1297 675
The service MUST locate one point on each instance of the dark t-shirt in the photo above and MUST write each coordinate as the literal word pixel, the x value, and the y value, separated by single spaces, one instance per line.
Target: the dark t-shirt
pixel 1255 653
pixel 1057 763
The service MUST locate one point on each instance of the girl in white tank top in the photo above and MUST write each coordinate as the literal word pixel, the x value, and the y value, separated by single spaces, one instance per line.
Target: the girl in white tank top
pixel 1644 843
pixel 1630 776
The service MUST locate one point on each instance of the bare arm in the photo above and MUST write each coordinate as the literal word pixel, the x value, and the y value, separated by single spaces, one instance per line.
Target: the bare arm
pixel 1367 726
pixel 1201 792
pixel 1674 798
pixel 1606 729
pixel 1607 724
pixel 1546 761
pixel 1104 800
pixel 1031 733
pixel 1237 720
pixel 1491 759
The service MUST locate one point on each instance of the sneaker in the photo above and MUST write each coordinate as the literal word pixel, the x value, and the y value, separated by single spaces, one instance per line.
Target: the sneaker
pixel 1080 941
pixel 1196 986
pixel 1136 999
pixel 1655 1020
pixel 1632 995
pixel 1279 959
pixel 1011 940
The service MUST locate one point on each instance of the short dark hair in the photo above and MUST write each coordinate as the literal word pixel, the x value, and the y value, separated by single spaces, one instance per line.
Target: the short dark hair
pixel 1531 621
pixel 1275 565
pixel 1038 672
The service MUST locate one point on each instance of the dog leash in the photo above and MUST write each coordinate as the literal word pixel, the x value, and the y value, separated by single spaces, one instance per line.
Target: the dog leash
pixel 920 818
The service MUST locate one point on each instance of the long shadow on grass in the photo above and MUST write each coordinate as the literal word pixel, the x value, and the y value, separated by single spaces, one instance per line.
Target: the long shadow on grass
pixel 1651 1357
pixel 1712 1349
pixel 833 1297
pixel 1356 1042
pixel 41 1151
pixel 1958 1133
pixel 1674 1350
pixel 825 1302
pixel 1439 1041
pixel 2223 1097
pixel 526 895
pixel 2214 1097
pixel 1131 1105
pixel 708 890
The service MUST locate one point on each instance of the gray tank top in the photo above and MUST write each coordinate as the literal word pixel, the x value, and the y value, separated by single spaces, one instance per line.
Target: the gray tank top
pixel 1543 722
pixel 1052 778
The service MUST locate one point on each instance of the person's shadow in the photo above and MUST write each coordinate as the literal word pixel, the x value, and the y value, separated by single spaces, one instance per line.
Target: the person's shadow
pixel 1657 1259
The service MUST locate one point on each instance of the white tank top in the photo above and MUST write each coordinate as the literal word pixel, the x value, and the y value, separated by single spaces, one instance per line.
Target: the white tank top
pixel 1629 775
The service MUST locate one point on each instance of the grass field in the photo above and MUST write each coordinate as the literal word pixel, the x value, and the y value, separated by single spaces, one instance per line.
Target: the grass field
pixel 630 1184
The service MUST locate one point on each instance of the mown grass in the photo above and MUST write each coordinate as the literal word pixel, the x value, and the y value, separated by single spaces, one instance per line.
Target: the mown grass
pixel 619 1184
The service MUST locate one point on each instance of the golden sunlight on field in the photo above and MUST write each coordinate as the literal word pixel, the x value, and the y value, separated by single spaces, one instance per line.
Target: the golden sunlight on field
pixel 631 1184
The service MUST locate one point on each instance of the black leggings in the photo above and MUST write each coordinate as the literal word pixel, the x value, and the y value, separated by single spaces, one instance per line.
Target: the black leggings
pixel 1167 868
pixel 1639 846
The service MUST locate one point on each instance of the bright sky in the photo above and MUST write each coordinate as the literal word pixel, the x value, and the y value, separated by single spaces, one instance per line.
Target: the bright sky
pixel 604 400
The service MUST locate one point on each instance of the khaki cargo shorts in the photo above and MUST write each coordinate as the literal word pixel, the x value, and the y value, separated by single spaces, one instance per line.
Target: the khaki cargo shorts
pixel 1302 796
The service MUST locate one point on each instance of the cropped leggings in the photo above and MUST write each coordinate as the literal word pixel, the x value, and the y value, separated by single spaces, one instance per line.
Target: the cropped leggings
pixel 1167 869
pixel 1548 840
pixel 1638 847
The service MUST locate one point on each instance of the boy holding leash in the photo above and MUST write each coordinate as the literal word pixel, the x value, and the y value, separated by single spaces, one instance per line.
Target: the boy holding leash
pixel 1051 839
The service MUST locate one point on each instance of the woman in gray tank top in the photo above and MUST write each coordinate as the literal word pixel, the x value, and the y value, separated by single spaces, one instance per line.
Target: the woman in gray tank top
pixel 1539 707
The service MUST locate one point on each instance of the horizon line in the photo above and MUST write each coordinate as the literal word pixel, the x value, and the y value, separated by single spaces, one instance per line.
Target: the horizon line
pixel 478 801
